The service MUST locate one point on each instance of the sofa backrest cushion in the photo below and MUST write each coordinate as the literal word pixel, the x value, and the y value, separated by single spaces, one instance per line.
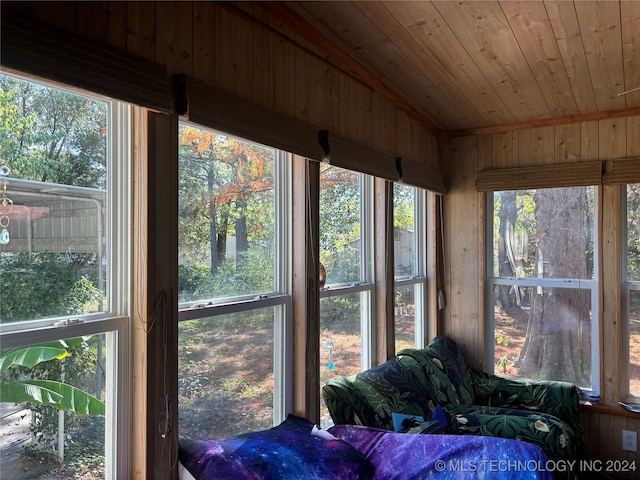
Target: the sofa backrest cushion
pixel 449 377
pixel 371 397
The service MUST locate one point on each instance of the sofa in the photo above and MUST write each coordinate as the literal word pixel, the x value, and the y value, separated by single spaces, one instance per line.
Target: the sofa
pixel 423 381
pixel 298 450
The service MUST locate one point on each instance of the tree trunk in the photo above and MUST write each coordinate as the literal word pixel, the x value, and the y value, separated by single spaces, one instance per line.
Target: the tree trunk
pixel 213 235
pixel 558 340
pixel 213 221
pixel 242 237
pixel 221 240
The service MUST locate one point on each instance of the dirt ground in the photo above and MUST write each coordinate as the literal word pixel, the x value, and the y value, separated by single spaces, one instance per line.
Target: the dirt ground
pixel 512 326
pixel 14 438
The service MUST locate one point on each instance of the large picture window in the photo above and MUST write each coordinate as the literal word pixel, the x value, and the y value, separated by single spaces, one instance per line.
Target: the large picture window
pixel 64 292
pixel 631 280
pixel 542 288
pixel 409 265
pixel 346 246
pixel 235 306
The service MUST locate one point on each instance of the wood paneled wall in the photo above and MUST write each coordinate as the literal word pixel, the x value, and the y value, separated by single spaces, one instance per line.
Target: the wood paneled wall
pixel 243 49
pixel 463 318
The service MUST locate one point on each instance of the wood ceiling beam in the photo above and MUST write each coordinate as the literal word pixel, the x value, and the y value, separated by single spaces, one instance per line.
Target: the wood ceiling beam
pixel 579 118
pixel 339 58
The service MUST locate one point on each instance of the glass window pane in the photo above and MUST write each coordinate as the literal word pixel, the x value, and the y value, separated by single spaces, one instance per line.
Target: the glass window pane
pixel 405 317
pixel 543 233
pixel 340 223
pixel 53 191
pixel 35 435
pixel 405 264
pixel 633 275
pixel 404 230
pixel 340 340
pixel 547 336
pixel 634 342
pixel 633 232
pixel 226 216
pixel 225 374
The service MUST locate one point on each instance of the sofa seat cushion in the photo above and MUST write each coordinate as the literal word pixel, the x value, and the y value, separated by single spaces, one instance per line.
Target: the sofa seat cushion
pixel 555 437
pixel 450 380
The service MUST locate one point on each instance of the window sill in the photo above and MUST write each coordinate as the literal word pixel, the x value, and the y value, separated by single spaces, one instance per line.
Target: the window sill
pixel 607 409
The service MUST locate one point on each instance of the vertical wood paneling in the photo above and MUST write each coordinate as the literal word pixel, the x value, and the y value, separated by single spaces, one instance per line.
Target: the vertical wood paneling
pixel 174 46
pixel 433 151
pixel 140 311
pixel 203 41
pixel 283 65
pixel 353 102
pixel 421 143
pixel 612 139
pixel 261 61
pixel 505 150
pixel 485 152
pixel 590 420
pixel 384 271
pixel 306 292
pixel 610 311
pixel 366 118
pixel 334 100
pixel 309 101
pixel 62 14
pixel 141 29
pixel 462 256
pixel 589 141
pixel 404 131
pixel 613 423
pixel 317 85
pixel 417 141
pixel 233 48
pixel 536 147
pixel 162 278
pixel 567 143
pixel 383 121
pixel 109 22
pixel 345 93
pixel 633 136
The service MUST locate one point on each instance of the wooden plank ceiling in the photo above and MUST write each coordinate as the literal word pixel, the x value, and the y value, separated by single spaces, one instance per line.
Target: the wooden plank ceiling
pixel 483 66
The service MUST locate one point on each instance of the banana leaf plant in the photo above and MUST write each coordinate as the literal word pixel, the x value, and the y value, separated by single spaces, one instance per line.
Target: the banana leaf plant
pixel 46 392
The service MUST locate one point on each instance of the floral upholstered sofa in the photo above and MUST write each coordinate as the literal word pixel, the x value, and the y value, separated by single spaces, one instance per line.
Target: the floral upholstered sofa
pixel 416 381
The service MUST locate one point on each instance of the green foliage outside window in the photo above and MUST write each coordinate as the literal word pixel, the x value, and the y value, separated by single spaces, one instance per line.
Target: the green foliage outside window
pixel 43 284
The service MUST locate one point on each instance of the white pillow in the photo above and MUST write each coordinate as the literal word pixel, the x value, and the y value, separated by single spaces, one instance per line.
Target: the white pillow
pixel 319 432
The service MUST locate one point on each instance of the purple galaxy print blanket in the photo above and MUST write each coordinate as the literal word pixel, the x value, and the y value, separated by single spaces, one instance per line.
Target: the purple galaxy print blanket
pixel 296 450
pixel 402 456
pixel 292 450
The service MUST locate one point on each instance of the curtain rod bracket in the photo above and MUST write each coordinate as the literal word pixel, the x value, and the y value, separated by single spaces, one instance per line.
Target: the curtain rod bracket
pixel 399 169
pixel 180 97
pixel 323 139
